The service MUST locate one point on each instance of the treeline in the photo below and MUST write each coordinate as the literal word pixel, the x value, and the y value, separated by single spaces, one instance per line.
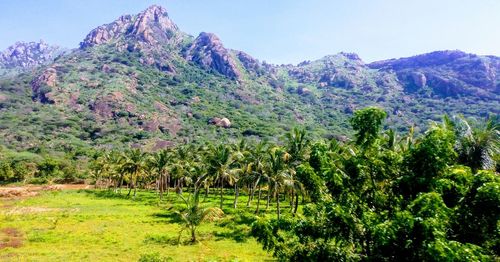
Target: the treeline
pixel 35 168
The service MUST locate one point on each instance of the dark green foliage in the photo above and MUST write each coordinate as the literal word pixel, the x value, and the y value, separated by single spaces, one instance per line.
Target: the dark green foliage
pixel 367 123
pixel 390 199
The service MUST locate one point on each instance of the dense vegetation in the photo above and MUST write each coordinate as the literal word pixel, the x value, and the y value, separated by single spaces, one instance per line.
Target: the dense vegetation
pixel 381 196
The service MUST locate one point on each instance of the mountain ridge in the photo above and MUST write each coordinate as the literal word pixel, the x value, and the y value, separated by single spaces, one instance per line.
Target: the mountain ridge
pixel 140 80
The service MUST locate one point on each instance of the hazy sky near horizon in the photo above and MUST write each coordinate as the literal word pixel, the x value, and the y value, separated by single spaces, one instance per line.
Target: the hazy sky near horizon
pixel 279 31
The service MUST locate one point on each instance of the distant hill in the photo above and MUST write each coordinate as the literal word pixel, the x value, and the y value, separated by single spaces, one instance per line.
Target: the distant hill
pixel 141 81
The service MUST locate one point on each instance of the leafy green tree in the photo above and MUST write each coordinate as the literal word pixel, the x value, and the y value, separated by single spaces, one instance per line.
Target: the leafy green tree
pixel 367 123
pixel 429 158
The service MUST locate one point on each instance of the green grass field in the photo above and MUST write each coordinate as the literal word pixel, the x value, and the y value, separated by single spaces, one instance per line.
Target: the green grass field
pixel 93 225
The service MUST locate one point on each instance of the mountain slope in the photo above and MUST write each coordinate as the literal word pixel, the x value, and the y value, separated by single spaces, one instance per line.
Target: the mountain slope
pixel 141 81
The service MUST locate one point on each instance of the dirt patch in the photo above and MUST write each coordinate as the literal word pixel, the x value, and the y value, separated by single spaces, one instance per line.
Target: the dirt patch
pixel 16 192
pixel 33 190
pixel 10 237
pixel 29 210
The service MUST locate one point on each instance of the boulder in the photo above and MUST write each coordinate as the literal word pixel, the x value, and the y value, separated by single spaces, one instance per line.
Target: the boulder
pixel 220 122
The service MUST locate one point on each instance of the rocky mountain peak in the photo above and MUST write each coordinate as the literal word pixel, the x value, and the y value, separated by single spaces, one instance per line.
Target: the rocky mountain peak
pixel 153 22
pixel 28 54
pixel 150 26
pixel 208 52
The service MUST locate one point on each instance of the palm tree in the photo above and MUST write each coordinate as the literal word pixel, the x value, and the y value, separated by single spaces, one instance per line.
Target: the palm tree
pixel 279 173
pixel 134 166
pixel 477 146
pixel 194 214
pixel 181 166
pixel 219 162
pixel 160 163
pixel 297 144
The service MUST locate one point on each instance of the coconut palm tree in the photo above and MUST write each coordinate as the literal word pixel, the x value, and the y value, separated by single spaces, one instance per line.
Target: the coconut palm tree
pixel 219 163
pixel 134 165
pixel 280 174
pixel 194 214
pixel 477 145
pixel 160 162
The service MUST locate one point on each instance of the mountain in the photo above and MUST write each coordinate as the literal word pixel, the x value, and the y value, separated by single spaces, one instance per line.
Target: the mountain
pixel 27 55
pixel 141 81
pixel 448 73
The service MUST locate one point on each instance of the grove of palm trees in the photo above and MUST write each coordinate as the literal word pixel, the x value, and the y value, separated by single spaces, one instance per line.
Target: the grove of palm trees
pixel 382 196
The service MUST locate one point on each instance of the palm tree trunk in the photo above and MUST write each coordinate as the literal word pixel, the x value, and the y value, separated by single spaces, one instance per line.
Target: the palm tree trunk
pixel 296 204
pixel 268 193
pixel 277 201
pixel 206 193
pixel 236 194
pixel 258 200
pixel 193 235
pixel 221 195
pixel 167 184
pixel 250 196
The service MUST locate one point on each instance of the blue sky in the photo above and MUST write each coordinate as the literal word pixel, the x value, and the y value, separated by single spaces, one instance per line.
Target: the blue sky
pixel 279 31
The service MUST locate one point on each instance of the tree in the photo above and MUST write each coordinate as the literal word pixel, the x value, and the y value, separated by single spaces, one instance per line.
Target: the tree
pixel 219 161
pixel 194 214
pixel 367 123
pixel 133 165
pixel 429 158
pixel 478 145
pixel 280 175
pixel 160 162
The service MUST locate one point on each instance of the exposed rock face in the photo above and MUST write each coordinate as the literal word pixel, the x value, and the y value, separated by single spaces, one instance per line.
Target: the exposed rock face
pixel 42 85
pixel 105 33
pixel 251 64
pixel 208 52
pixel 419 79
pixel 220 122
pixel 28 55
pixel 153 25
pixel 149 27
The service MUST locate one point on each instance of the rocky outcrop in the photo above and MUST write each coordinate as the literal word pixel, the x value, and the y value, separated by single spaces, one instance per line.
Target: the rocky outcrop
pixel 28 55
pixel 106 33
pixel 220 122
pixel 153 25
pixel 447 73
pixel 344 70
pixel 42 85
pixel 419 79
pixel 149 27
pixel 251 64
pixel 208 52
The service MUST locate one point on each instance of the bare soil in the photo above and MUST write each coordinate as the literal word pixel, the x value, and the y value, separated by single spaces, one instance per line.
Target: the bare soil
pixel 10 237
pixel 33 190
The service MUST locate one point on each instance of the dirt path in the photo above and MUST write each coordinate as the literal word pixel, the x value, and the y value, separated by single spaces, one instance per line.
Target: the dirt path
pixel 33 190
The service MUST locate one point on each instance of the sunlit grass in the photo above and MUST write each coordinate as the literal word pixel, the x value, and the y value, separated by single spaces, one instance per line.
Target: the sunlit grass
pixel 103 226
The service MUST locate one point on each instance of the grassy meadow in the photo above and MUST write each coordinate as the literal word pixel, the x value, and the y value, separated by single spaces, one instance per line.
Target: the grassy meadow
pixel 95 225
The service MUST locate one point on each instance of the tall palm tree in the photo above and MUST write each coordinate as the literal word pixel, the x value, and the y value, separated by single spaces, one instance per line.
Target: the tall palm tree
pixel 160 162
pixel 279 172
pixel 133 165
pixel 219 161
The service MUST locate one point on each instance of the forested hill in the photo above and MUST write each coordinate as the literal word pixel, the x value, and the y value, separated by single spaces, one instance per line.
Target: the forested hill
pixel 141 81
